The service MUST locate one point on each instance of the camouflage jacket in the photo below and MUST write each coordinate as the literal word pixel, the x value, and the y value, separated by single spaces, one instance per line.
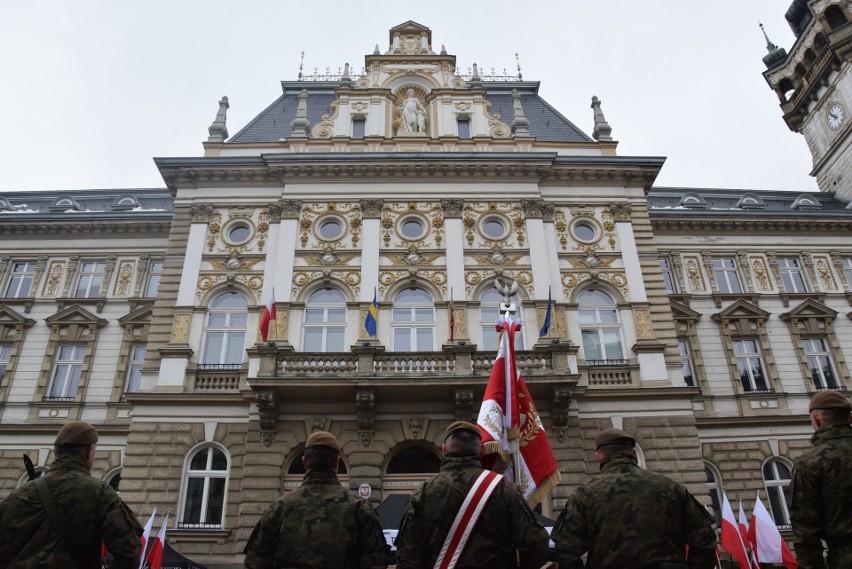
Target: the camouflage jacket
pixel 821 495
pixel 629 517
pixel 506 523
pixel 319 525
pixel 92 513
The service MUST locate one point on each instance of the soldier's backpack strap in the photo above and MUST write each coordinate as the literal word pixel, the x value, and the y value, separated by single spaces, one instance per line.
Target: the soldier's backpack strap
pixel 60 528
pixel 466 519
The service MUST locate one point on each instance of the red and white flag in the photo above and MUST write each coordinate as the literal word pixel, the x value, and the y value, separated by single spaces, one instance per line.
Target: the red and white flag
pixel 146 533
pixel 509 423
pixel 743 524
pixel 768 544
pixel 268 316
pixel 155 554
pixel 732 541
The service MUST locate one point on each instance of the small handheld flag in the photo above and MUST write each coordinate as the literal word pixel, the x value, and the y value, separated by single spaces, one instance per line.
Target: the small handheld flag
pixel 371 321
pixel 545 328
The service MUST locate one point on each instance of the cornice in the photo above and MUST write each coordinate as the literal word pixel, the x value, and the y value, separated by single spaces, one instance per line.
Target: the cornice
pixel 44 225
pixel 750 225
pixel 763 420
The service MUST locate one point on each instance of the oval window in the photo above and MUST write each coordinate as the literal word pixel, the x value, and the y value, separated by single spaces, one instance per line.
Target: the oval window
pixel 411 228
pixel 239 233
pixel 493 228
pixel 330 228
pixel 585 231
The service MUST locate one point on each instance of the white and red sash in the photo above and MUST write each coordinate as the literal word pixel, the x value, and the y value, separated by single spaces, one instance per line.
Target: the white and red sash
pixel 466 518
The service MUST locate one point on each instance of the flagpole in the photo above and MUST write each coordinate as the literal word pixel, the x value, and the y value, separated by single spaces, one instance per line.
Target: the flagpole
pixel 509 362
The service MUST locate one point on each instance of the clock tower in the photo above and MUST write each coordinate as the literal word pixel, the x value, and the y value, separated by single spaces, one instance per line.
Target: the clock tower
pixel 814 84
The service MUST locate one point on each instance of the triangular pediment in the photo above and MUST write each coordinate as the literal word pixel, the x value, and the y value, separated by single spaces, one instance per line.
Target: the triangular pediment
pixel 408 27
pixel 810 308
pixel 75 314
pixel 683 312
pixel 141 315
pixel 9 316
pixel 741 309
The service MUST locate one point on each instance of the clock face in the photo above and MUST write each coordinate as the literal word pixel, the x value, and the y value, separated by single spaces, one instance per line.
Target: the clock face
pixel 835 116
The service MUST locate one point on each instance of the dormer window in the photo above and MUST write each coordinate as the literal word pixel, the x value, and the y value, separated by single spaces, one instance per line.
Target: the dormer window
pixel 4 204
pixel 751 201
pixel 359 127
pixel 692 201
pixel 64 203
pixel 804 201
pixel 125 202
pixel 463 122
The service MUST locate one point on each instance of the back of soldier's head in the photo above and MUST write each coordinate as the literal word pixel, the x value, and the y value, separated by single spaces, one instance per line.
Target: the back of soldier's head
pixel 75 437
pixel 322 451
pixel 832 407
pixel 462 437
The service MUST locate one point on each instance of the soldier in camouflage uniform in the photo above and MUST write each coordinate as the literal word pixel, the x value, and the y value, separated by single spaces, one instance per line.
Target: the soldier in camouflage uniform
pixel 505 530
pixel 629 517
pixel 822 487
pixel 322 524
pixel 90 511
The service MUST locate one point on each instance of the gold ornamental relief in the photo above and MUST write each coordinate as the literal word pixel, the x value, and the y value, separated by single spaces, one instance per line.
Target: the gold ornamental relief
pixel 122 281
pixel 302 278
pixel 180 328
pixel 475 213
pixel 347 213
pixel 561 227
pixel 429 214
pixel 826 275
pixel 214 229
pixel 54 278
pixel 694 273
pixel 388 278
pixel 761 274
pixel 557 325
pixel 644 329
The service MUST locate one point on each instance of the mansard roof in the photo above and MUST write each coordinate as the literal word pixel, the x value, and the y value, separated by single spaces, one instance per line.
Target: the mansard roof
pixel 126 204
pixel 546 124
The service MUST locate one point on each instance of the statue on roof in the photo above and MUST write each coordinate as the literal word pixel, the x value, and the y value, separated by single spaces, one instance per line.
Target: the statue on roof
pixel 413 113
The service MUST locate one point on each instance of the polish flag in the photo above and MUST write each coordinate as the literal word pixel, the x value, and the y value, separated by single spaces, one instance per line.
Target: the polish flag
pixel 268 316
pixel 145 535
pixel 732 541
pixel 155 555
pixel 768 545
pixel 744 533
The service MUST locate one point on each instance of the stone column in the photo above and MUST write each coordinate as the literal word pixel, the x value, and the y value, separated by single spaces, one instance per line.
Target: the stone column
pixel 454 231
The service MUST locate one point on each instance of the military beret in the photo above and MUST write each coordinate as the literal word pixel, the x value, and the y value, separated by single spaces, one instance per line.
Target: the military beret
pixel 322 439
pixel 462 426
pixel 76 433
pixel 829 400
pixel 613 437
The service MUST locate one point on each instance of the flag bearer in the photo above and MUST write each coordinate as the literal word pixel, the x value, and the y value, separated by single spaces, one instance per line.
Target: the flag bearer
pixel 439 517
pixel 63 518
pixel 630 517
pixel 822 486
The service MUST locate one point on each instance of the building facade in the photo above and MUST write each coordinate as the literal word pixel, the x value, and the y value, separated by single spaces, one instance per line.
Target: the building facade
pixel 701 320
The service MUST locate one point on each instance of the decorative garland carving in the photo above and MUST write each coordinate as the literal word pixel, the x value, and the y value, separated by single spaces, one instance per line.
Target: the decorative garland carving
pixel 826 275
pixel 694 274
pixel 473 213
pixel 570 281
pixel 311 212
pixel 304 277
pixel 214 228
pixel 54 278
pixel 122 282
pixel 207 281
pixel 432 211
pixel 437 277
pixel 561 227
pixel 761 274
pixel 201 212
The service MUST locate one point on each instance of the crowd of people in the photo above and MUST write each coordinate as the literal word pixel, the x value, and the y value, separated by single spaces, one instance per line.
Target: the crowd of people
pixel 464 517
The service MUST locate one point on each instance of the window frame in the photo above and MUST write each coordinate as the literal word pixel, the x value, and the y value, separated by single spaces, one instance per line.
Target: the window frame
pixel 72 363
pixel 359 127
pixel 13 274
pixel 134 367
pixel 97 274
pixel 325 325
pixel 825 353
pixel 207 475
pixel 413 325
pixel 153 276
pixel 6 349
pixel 687 361
pixel 775 485
pixel 600 327
pixel 726 271
pixel 669 281
pixel 715 490
pixel 464 119
pixel 790 267
pixel 227 330
pixel 747 357
pixel 847 270
pixel 487 326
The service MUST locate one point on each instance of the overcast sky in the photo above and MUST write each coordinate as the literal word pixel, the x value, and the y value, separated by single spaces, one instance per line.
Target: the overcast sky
pixel 90 91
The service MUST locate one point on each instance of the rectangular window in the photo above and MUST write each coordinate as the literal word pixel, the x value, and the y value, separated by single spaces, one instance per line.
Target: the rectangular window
pixel 66 371
pixel 792 275
pixel 820 363
pixel 359 127
pixel 668 276
pixel 91 279
pixel 750 365
pixel 155 270
pixel 5 355
pixel 20 279
pixel 847 270
pixel 134 368
pixel 727 278
pixel 464 127
pixel 686 362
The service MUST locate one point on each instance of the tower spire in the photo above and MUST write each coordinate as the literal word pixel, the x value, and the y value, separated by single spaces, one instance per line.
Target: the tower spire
pixel 770 47
pixel 774 54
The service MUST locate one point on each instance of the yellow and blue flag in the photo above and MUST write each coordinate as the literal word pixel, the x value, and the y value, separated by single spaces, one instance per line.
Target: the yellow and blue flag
pixel 372 318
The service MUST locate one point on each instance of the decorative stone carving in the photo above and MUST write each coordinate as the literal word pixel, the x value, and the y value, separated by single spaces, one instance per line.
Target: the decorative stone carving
pixel 533 208
pixel 290 209
pixel 54 278
pixel 201 212
pixel 365 402
pixel 694 274
pixel 464 404
pixel 415 427
pixel 452 208
pixel 122 282
pixel 560 402
pixel 644 329
pixel 371 209
pixel 180 328
pixel 412 113
pixel 761 274
pixel 547 211
pixel 826 275
pixel 621 211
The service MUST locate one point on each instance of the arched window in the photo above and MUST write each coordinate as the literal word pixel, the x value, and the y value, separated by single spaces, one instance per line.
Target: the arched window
pixel 225 331
pixel 413 321
pixel 205 481
pixel 324 325
pixel 414 460
pixel 489 314
pixel 776 477
pixel 714 488
pixel 600 328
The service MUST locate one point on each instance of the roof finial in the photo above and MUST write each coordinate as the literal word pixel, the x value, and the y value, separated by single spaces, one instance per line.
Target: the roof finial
pixel 475 79
pixel 300 124
pixel 218 130
pixel 518 62
pixel 769 45
pixel 345 79
pixel 602 130
pixel 301 65
pixel 520 124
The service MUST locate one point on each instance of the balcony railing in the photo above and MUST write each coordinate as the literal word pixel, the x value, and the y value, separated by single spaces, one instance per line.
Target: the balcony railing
pixel 49 398
pixel 415 363
pixel 317 364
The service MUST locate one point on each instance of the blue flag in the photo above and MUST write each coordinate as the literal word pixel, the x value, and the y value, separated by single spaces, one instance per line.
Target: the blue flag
pixel 372 318
pixel 546 326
